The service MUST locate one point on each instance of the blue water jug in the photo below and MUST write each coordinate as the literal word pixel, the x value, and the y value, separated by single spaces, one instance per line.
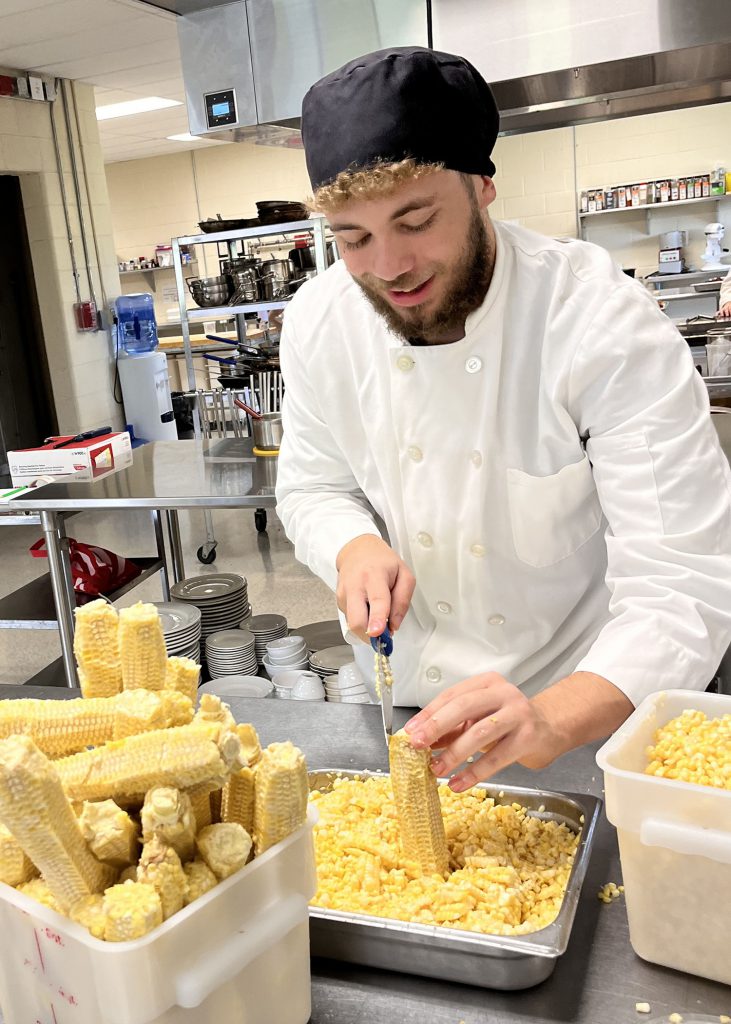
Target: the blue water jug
pixel 136 324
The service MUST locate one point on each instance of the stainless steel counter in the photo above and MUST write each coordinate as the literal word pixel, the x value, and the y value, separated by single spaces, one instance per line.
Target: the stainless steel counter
pixel 597 981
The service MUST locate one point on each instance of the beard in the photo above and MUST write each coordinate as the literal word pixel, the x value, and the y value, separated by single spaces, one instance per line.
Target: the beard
pixel 467 284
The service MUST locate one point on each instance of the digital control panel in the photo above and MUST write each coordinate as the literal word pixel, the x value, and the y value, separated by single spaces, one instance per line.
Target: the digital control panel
pixel 221 108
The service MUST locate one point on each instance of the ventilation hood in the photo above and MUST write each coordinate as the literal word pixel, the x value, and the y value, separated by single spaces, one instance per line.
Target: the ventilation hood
pixel 550 64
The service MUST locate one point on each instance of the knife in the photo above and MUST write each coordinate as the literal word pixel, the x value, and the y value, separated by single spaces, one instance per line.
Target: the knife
pixel 383 646
pixel 86 435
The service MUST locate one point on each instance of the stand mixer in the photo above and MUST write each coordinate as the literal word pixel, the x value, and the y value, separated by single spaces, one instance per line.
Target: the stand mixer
pixel 711 258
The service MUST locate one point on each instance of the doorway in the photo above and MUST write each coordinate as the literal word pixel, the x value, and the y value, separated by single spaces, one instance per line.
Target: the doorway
pixel 27 412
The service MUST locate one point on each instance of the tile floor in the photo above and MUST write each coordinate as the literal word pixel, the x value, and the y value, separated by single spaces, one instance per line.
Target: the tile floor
pixel 277 581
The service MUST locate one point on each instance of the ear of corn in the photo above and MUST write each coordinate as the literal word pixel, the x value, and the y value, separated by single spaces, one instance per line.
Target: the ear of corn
pixel 212 709
pixel 200 801
pixel 183 674
pixel 142 648
pixel 250 745
pixel 113 836
pixel 160 867
pixel 281 793
pixel 15 867
pixel 224 847
pixel 131 910
pixel 190 755
pixel 34 807
pixel 200 879
pixel 96 646
pixel 89 912
pixel 237 803
pixel 140 710
pixel 168 814
pixel 417 805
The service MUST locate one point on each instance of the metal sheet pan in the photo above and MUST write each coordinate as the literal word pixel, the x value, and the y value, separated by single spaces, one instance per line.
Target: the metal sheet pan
pixel 490 961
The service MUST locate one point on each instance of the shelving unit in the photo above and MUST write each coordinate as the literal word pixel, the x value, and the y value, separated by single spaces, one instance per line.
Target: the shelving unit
pixel 149 273
pixel 649 208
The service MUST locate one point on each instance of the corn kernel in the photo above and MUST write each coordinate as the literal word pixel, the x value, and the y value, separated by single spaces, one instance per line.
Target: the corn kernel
pixel 642 1007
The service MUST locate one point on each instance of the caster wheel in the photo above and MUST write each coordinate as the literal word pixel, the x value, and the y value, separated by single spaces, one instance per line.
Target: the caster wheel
pixel 206 559
pixel 260 519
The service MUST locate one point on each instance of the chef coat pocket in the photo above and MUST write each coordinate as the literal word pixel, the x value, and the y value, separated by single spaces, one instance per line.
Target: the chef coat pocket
pixel 552 516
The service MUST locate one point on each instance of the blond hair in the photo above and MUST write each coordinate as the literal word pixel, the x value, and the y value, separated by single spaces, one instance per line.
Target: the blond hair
pixel 375 182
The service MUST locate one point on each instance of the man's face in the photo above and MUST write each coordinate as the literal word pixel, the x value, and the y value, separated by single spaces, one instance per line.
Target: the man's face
pixel 423 255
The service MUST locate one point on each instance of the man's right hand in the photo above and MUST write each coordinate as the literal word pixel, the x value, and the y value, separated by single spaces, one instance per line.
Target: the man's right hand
pixel 374 586
pixel 725 310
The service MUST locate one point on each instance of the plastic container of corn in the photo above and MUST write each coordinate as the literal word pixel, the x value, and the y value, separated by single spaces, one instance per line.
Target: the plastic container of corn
pixel 674 844
pixel 239 953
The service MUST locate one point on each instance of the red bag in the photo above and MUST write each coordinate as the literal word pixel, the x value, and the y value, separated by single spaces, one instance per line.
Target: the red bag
pixel 94 570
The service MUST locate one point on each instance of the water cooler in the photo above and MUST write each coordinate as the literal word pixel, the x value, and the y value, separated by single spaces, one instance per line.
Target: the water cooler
pixel 143 372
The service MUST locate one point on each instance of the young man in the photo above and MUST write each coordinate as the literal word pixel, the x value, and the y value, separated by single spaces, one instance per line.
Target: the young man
pixel 493 441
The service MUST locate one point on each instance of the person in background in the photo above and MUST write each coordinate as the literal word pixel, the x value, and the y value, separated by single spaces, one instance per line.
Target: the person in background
pixel 494 442
pixel 724 299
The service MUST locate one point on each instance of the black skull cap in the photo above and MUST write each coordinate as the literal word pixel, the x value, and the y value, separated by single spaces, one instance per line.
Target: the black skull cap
pixel 403 102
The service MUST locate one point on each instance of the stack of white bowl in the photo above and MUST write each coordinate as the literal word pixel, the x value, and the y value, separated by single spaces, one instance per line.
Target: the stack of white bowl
pixel 347 687
pixel 286 652
pixel 181 627
pixel 298 684
pixel 222 598
pixel 230 652
pixel 266 628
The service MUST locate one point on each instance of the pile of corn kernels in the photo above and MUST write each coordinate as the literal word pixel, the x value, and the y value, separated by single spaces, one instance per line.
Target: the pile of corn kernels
pixel 693 748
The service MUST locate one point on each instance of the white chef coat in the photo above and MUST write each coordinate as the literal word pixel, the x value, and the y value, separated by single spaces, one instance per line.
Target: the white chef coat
pixel 725 293
pixel 553 479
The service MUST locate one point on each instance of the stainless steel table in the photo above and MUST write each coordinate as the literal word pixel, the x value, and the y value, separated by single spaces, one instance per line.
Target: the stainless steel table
pixel 165 476
pixel 597 981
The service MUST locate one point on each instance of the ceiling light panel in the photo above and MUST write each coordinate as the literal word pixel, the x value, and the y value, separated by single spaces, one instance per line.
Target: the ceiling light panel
pixel 141 106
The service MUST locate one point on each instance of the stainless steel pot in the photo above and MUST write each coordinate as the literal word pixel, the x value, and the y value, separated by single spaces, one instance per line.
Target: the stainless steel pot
pixel 245 285
pixel 266 287
pixel 267 432
pixel 210 291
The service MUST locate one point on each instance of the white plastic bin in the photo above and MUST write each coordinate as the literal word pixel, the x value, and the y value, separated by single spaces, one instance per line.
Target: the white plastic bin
pixel 674 844
pixel 238 955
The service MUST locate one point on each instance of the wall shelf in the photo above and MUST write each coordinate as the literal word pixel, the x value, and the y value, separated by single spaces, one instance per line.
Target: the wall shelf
pixel 647 209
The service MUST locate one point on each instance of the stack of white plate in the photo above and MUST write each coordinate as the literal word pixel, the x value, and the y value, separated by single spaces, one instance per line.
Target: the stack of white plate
pixel 287 652
pixel 239 686
pixel 222 598
pixel 347 687
pixel 328 661
pixel 230 652
pixel 266 628
pixel 181 627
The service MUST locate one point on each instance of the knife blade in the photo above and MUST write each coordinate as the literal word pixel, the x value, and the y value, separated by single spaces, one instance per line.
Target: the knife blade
pixel 383 646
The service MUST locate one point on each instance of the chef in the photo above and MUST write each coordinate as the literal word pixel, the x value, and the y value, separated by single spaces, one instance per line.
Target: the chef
pixel 494 442
pixel 724 298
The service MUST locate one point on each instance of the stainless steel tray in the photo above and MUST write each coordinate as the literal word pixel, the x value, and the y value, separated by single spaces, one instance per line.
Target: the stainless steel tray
pixel 490 961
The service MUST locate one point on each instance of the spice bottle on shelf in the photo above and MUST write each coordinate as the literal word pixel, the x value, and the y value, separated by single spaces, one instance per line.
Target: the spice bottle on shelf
pixel 643 193
pixel 591 202
pixel 682 188
pixel 621 197
pixel 705 185
pixel 584 202
pixel 697 188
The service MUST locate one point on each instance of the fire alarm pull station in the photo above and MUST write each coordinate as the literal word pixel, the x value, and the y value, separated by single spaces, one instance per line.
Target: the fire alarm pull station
pixel 86 315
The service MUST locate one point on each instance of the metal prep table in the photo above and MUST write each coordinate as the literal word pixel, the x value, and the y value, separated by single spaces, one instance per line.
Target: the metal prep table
pixel 164 476
pixel 597 981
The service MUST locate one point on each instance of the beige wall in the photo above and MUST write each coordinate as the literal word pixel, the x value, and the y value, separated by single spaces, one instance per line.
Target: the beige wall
pixel 81 365
pixel 538 178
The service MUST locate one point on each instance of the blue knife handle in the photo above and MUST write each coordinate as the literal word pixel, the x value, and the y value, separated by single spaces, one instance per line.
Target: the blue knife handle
pixel 383 644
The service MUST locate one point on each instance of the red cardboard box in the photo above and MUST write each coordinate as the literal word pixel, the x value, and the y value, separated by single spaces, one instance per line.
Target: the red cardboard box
pixel 82 460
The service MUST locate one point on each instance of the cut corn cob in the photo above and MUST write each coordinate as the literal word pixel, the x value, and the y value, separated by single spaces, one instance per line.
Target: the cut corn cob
pixel 131 910
pixel 417 805
pixel 39 890
pixel 200 801
pixel 280 797
pixel 190 755
pixel 212 709
pixel 224 847
pixel 15 867
pixel 34 807
pixel 113 837
pixel 142 648
pixel 96 646
pixel 200 879
pixel 144 711
pixel 237 803
pixel 183 674
pixel 168 813
pixel 89 912
pixel 160 867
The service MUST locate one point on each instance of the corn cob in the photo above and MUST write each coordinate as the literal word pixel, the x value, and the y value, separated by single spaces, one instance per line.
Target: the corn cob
pixel 190 755
pixel 96 646
pixel 167 813
pixel 89 912
pixel 142 648
pixel 131 910
pixel 237 803
pixel 39 890
pixel 417 805
pixel 113 837
pixel 212 709
pixel 144 711
pixel 200 879
pixel 200 801
pixel 160 867
pixel 182 674
pixel 224 847
pixel 15 867
pixel 280 796
pixel 34 807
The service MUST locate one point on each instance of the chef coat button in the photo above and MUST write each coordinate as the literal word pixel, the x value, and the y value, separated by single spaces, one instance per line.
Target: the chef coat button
pixel 477 550
pixel 476 458
pixel 443 606
pixel 473 364
pixel 433 674
pixel 496 620
pixel 415 454
pixel 405 363
pixel 424 539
